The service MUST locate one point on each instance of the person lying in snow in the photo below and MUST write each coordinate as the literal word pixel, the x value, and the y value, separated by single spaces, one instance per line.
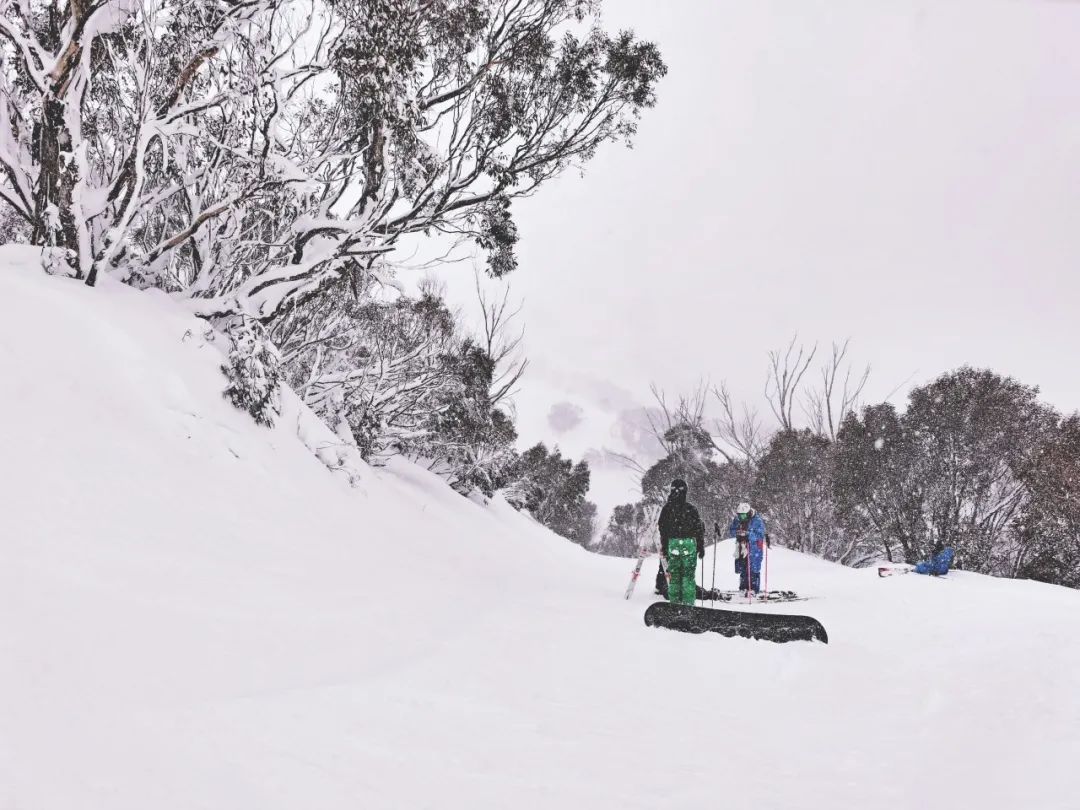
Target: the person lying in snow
pixel 938 565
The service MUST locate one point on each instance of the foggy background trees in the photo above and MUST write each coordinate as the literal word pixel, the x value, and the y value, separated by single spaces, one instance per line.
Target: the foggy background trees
pixel 974 461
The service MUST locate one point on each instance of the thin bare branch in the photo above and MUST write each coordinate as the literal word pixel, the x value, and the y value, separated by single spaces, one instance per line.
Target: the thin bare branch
pixel 741 433
pixel 786 371
pixel 839 392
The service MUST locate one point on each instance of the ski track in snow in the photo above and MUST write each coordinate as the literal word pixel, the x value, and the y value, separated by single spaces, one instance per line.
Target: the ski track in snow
pixel 195 612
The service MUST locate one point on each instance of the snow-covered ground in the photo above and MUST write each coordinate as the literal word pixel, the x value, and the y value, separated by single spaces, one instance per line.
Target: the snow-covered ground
pixel 196 613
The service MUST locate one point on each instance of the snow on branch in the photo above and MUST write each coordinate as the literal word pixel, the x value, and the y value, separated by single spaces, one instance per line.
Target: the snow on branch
pixel 252 155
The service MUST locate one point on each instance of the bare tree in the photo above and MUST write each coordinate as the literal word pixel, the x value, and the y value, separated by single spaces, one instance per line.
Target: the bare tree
pixel 631 463
pixel 671 425
pixel 501 344
pixel 786 371
pixel 742 433
pixel 838 395
pixel 737 435
pixel 679 427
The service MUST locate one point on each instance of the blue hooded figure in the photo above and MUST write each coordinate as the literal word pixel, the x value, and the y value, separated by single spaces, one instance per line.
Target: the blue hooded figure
pixel 748 529
pixel 938 565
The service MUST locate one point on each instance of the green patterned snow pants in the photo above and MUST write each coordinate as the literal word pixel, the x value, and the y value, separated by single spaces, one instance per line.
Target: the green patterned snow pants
pixel 682 566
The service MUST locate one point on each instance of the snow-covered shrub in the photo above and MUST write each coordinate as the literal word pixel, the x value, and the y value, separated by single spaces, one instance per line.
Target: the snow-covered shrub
pixel 378 369
pixel 253 369
pixel 471 436
pixel 13 228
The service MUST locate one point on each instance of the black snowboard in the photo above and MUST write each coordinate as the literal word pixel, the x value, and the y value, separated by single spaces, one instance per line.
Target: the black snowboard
pixel 733 623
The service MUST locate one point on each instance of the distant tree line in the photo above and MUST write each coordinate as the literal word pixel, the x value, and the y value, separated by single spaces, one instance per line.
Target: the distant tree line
pixel 974 461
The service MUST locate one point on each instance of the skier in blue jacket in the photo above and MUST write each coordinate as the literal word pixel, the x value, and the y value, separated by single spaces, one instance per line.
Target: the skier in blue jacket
pixel 748 529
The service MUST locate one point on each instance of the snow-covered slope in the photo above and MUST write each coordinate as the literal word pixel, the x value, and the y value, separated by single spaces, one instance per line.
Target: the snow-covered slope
pixel 197 612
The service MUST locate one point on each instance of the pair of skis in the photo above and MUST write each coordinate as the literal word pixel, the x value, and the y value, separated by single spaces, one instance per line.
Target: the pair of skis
pixel 642 555
pixel 763 596
pixel 893 570
pixel 896 570
pixel 648 521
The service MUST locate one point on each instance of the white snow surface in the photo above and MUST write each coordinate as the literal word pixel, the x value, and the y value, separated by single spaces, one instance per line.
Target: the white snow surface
pixel 195 612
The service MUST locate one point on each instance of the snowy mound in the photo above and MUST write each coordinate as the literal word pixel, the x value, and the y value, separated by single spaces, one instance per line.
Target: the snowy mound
pixel 198 612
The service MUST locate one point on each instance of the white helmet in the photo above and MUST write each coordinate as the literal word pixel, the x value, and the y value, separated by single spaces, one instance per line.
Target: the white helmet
pixel 744 509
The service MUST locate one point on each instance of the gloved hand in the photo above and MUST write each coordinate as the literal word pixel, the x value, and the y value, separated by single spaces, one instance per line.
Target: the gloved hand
pixel 701 552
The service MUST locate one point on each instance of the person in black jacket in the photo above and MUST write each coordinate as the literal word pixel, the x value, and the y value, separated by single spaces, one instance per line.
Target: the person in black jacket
pixel 679 520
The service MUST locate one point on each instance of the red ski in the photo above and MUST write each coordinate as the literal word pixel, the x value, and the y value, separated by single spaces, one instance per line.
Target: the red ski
pixel 892 570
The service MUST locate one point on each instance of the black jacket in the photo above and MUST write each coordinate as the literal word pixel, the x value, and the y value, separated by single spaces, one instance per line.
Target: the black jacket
pixel 679 518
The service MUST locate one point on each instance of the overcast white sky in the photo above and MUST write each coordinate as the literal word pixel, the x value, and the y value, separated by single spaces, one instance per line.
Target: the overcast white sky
pixel 906 174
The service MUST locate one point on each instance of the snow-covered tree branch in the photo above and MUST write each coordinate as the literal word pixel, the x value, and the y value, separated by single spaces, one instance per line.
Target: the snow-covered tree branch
pixel 251 155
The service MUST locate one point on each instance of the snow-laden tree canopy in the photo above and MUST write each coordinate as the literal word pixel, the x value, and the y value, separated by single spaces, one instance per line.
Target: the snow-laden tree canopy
pixel 250 154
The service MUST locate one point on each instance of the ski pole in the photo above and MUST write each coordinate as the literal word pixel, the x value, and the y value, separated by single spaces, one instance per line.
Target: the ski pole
pixel 712 587
pixel 702 570
pixel 749 571
pixel 766 541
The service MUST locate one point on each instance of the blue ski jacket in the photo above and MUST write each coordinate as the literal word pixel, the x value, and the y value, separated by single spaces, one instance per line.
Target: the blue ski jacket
pixel 755 534
pixel 938 565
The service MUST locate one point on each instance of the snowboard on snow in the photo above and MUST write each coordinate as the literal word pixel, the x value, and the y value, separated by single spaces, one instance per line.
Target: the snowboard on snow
pixel 735 623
